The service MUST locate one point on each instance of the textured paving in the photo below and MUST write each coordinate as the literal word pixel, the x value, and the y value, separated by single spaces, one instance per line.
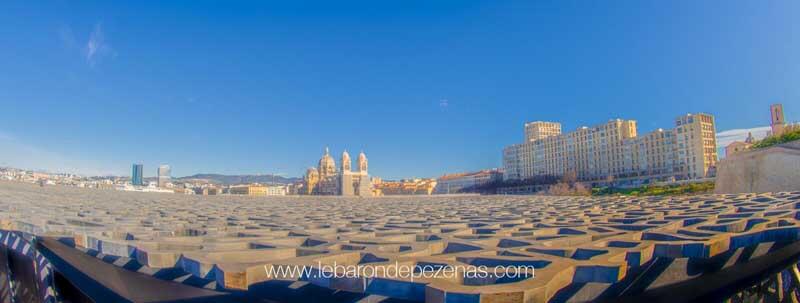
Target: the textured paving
pixel 582 248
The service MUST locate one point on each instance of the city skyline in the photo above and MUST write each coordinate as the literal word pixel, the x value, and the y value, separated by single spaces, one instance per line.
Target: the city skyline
pixel 418 86
pixel 723 139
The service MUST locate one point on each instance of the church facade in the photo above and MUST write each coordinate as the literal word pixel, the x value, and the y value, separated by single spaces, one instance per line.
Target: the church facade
pixel 327 179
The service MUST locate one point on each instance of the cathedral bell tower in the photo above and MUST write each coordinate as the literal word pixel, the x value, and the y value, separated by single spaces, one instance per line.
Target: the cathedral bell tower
pixel 362 163
pixel 346 162
pixel 776 119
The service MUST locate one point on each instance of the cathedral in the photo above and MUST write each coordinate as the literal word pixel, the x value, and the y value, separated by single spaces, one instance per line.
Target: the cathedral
pixel 327 180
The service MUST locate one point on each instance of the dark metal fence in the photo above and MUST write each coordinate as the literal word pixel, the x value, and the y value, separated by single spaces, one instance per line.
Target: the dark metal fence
pixel 44 270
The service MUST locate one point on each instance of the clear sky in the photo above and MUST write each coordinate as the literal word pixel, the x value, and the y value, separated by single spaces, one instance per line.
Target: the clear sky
pixel 423 87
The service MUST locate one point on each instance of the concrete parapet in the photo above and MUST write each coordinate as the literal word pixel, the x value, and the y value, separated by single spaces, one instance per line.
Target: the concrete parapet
pixel 772 169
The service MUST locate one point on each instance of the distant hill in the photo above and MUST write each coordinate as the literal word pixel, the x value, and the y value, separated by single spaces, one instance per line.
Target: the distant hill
pixel 239 179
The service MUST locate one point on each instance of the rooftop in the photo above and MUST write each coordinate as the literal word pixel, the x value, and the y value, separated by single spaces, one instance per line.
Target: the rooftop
pixel 225 242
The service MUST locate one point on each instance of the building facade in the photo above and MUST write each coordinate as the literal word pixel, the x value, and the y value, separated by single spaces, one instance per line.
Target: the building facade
pixel 697 145
pixel 137 178
pixel 655 154
pixel 736 147
pixel 512 162
pixel 455 183
pixel 164 173
pixel 406 187
pixel 257 190
pixel 615 151
pixel 207 191
pixel 540 129
pixel 326 179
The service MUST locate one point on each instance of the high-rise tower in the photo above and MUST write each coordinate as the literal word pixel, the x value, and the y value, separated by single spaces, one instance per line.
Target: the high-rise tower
pixel 164 172
pixel 136 174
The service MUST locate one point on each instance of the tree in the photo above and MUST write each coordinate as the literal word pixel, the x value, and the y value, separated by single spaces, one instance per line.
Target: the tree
pixel 492 187
pixel 569 186
pixel 610 181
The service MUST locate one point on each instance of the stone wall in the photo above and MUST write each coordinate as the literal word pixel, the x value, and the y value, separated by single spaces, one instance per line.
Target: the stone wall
pixel 772 169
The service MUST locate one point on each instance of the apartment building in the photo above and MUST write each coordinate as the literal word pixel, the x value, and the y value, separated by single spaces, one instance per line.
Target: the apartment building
pixel 614 150
pixel 540 129
pixel 697 144
pixel 258 190
pixel 164 172
pixel 655 155
pixel 454 183
pixel 415 186
pixel 512 162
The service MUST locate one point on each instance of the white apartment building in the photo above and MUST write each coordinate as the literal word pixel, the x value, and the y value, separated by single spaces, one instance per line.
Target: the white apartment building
pixel 697 145
pixel 454 183
pixel 614 150
pixel 540 129
pixel 512 162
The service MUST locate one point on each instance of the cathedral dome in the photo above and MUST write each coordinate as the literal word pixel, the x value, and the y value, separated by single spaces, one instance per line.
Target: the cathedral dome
pixel 327 166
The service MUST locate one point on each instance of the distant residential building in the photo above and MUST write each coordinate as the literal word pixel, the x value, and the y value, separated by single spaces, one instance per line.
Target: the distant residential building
pixel 257 190
pixel 101 185
pixel 137 177
pixel 40 176
pixel 454 183
pixel 376 190
pixel 538 130
pixel 615 151
pixel 164 173
pixel 207 191
pixel 276 190
pixel 406 187
pixel 590 152
pixel 248 190
pixel 183 190
pixel 777 121
pixel 512 162
pixel 294 188
pixel 697 145
pixel 736 147
pixel 151 188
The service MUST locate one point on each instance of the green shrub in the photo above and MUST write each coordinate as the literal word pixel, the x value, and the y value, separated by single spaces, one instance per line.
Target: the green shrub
pixel 657 190
pixel 790 134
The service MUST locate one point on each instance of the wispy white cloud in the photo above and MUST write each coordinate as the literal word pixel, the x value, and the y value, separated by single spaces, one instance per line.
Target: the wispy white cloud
pixel 727 137
pixel 97 47
pixel 93 50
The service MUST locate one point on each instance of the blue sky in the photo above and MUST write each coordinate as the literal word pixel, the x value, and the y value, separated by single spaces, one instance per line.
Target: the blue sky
pixel 423 87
